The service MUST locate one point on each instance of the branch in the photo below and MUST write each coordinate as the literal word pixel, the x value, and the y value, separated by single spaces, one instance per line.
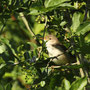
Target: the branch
pixel 26 23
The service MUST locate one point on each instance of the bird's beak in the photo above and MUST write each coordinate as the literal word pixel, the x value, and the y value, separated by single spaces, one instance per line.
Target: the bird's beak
pixel 43 39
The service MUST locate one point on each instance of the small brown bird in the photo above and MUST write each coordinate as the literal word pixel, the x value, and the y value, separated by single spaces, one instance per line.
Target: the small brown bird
pixel 57 50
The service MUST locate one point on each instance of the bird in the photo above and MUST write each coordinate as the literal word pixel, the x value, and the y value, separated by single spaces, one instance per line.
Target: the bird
pixel 57 52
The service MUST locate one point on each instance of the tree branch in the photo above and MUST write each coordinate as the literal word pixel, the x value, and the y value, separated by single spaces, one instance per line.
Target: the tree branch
pixel 26 23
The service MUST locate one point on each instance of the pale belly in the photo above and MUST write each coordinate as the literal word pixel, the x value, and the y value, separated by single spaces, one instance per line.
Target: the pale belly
pixel 60 57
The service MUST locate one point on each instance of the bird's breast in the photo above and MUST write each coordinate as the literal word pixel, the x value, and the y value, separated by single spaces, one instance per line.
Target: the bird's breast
pixel 53 51
pixel 59 53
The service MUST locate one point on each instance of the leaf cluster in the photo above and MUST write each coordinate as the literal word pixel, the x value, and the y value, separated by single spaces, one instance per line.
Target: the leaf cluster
pixel 24 60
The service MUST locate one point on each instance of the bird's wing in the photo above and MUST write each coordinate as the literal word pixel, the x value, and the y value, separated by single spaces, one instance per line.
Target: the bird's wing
pixel 63 48
pixel 58 46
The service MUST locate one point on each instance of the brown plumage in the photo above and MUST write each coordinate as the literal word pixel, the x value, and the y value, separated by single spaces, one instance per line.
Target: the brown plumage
pixel 57 50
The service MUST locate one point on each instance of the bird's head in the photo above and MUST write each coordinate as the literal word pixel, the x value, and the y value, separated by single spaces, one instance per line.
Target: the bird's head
pixel 51 40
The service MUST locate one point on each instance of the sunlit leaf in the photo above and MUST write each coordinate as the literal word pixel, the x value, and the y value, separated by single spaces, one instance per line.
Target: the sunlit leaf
pixel 38 28
pixel 52 3
pixel 36 10
pixel 65 84
pixel 39 10
pixel 2 48
pixel 79 84
pixel 83 28
pixel 42 83
pixel 76 21
pixel 87 38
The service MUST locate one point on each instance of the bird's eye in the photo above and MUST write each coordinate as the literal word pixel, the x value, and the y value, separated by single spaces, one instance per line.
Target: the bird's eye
pixel 50 38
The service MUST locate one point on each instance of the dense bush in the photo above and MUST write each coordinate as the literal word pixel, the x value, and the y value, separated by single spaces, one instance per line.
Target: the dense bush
pixel 23 57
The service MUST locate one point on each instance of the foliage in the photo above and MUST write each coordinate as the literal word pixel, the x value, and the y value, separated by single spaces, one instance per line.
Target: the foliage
pixel 23 57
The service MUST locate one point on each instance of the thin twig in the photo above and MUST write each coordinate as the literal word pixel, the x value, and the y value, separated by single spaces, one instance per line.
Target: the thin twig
pixel 81 70
pixel 44 34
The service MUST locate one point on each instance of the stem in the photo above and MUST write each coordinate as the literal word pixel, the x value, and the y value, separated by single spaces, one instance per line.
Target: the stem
pixel 26 23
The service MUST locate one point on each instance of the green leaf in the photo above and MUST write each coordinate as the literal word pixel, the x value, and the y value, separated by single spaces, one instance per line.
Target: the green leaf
pixel 9 86
pixel 53 3
pixel 8 46
pixel 42 83
pixel 39 10
pixel 2 48
pixel 79 84
pixel 36 10
pixel 9 53
pixel 32 44
pixel 85 49
pixel 63 23
pixel 76 20
pixel 87 38
pixel 3 68
pixel 26 55
pixel 58 88
pixel 2 65
pixel 2 86
pixel 38 28
pixel 65 84
pixel 83 28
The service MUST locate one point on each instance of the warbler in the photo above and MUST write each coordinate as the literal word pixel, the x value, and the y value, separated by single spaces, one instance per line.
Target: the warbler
pixel 57 52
